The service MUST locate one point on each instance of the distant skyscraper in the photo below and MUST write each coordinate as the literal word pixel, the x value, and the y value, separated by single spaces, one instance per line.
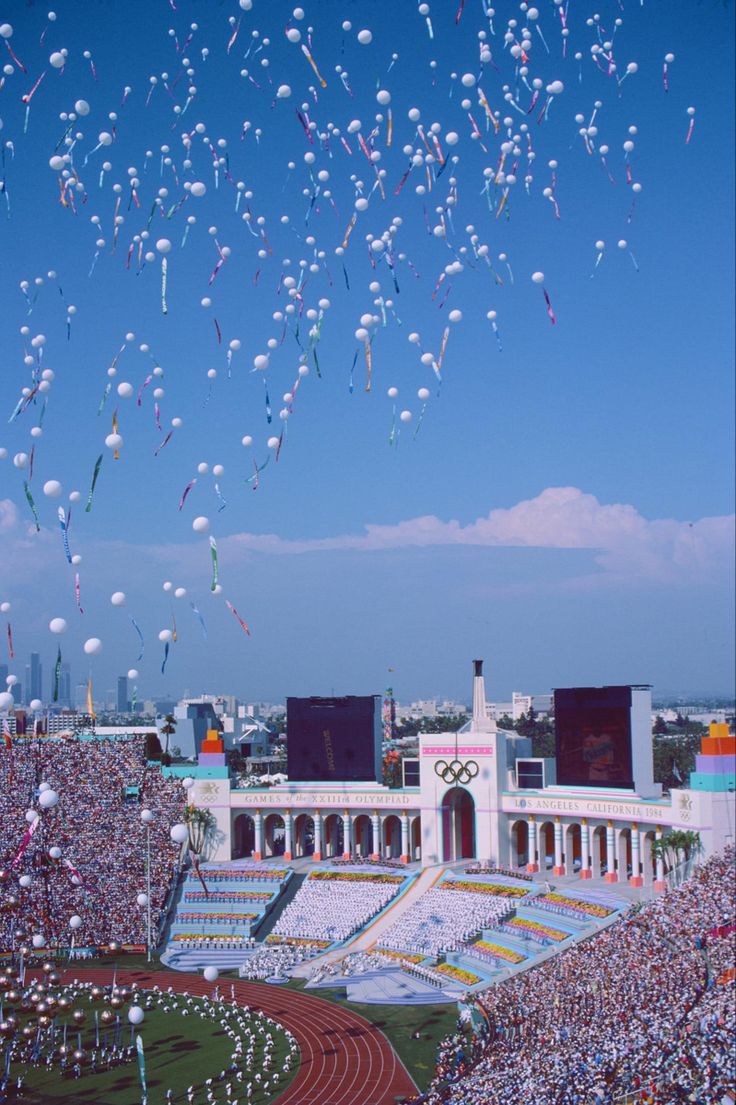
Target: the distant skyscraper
pixel 80 697
pixel 35 688
pixel 3 676
pixel 122 700
pixel 65 686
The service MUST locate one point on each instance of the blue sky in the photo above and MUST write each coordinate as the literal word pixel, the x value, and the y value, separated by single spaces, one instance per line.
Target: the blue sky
pixel 565 507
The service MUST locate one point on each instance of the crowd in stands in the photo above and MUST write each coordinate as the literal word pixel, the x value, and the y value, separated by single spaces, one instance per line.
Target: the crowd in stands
pixel 644 1008
pixel 330 909
pixel 101 869
pixel 441 920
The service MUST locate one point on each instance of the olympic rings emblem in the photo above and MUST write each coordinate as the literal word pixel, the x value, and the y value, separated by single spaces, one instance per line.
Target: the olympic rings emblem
pixel 456 771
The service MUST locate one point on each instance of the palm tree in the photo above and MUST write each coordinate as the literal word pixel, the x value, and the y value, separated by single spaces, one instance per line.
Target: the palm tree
pixel 201 822
pixel 168 728
pixel 677 847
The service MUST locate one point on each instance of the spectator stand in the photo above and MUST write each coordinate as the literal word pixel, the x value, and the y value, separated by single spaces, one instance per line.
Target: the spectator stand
pixel 216 926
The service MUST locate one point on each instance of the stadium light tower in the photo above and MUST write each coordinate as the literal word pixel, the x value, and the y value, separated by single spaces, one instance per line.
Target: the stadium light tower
pixel 147 818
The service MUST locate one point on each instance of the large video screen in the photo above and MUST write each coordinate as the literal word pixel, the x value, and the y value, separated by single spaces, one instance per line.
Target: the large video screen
pixel 334 739
pixel 593 737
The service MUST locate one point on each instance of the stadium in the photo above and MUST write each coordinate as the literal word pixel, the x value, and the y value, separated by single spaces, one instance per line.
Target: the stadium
pixel 500 887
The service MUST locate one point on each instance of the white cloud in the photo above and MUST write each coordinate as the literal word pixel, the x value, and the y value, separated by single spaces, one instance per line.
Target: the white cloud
pixel 626 545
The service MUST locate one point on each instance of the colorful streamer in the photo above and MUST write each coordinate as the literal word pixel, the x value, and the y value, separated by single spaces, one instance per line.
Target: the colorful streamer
pixel 213 551
pixel 232 610
pixel 137 628
pixel 32 505
pixel 95 474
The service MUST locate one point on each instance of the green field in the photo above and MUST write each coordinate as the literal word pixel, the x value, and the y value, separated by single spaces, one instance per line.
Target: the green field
pixel 179 1052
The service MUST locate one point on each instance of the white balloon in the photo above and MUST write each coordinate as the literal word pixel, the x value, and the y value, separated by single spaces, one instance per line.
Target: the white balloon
pixel 113 441
pixel 48 799
pixel 20 460
pixel 284 91
pixel 57 625
pixel 35 704
pixel 26 880
pixel 163 245
pixel 55 851
pixel 405 416
pixel 38 941
pixel 537 277
pixel 117 598
pixel 211 974
pixel 125 390
pixel 198 188
pixel 81 107
pixel 165 635
pixel 75 921
pixel 142 899
pixel 57 60
pixel 179 833
pixel 201 524
pixel 273 443
pixel 180 592
pixel 93 646
pixel 365 37
pixel 136 1014
pixel 6 700
pixel 52 489
pixel 133 673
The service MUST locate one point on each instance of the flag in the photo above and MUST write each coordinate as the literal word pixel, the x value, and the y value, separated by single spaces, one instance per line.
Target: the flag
pixel 90 707
pixel 7 738
pixel 142 1069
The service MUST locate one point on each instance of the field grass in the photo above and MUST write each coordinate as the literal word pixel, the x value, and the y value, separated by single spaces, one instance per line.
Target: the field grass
pixel 179 1052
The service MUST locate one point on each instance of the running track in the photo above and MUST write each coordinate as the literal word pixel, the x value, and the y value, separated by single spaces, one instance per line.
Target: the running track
pixel 345 1060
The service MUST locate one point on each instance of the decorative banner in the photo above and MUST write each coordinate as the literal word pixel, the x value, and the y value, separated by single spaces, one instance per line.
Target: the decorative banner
pixel 142 1069
pixel 95 474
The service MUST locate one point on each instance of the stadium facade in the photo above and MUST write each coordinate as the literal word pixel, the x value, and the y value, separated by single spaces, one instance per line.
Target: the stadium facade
pixel 470 805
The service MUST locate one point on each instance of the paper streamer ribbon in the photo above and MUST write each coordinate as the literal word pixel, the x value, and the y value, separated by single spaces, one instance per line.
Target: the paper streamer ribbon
pixel 64 523
pixel 27 836
pixel 95 474
pixel 201 619
pixel 78 593
pixel 166 656
pixel 232 610
pixel 186 491
pixel 32 505
pixel 10 642
pixel 213 552
pixel 137 628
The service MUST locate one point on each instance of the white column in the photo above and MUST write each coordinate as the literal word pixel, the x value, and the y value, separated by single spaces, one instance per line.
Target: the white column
pixel 611 875
pixel 636 879
pixel 585 871
pixel 317 836
pixel 659 881
pixel 376 827
pixel 258 822
pixel 559 867
pixel 347 835
pixel 532 864
pixel 288 823
pixel 405 837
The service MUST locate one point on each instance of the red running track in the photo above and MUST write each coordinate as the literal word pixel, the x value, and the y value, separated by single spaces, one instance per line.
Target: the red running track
pixel 344 1059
